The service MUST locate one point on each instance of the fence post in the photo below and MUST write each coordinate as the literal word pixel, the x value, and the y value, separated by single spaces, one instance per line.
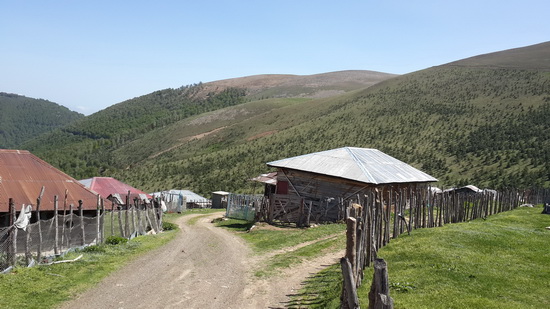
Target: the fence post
pixel 351 244
pixel 379 295
pixel 28 255
pixel 12 234
pixel 71 224
pixel 81 213
pixel 98 220
pixel 56 223
pixel 39 249
pixel 349 299
pixel 64 219
pixel 126 222
pixel 102 222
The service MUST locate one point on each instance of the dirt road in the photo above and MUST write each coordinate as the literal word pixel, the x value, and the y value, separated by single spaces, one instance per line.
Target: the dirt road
pixel 204 267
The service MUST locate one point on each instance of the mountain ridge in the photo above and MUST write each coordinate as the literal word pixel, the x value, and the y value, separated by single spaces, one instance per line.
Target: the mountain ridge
pixel 462 124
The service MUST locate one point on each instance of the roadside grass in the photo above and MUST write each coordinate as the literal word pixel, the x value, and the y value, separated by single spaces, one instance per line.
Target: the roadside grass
pixel 265 240
pixel 501 262
pixel 46 286
pixel 295 257
pixel 324 238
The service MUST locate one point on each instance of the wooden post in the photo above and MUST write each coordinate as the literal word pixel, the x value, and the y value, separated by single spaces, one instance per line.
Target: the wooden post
pixel 56 224
pixel 134 216
pixel 39 225
pixel 81 214
pixel 379 295
pixel 112 218
pixel 98 220
pixel 102 222
pixel 156 219
pixel 28 254
pixel 140 229
pixel 349 299
pixel 121 227
pixel 64 219
pixel 126 217
pixel 309 214
pixel 359 252
pixel 12 234
pixel 71 224
pixel 351 244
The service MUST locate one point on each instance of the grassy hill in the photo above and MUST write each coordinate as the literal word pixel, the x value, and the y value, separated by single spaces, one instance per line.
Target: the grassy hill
pixel 484 122
pixel 23 118
pixel 125 134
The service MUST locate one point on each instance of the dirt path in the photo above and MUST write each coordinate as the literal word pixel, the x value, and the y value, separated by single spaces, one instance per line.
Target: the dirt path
pixel 204 267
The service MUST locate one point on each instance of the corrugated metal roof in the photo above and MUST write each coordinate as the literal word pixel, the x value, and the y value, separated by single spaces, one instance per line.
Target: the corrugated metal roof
pixel 358 164
pixel 269 178
pixel 190 196
pixel 22 176
pixel 106 186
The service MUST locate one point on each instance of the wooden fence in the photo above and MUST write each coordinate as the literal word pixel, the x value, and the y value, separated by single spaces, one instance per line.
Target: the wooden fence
pixel 71 228
pixel 381 214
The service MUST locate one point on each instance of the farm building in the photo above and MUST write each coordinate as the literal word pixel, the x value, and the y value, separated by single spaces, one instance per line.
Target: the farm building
pixel 179 200
pixel 316 186
pixel 115 190
pixel 22 176
pixel 219 199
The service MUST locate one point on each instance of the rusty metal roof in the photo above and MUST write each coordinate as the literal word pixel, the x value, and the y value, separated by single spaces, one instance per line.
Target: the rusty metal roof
pixel 358 164
pixel 106 186
pixel 22 176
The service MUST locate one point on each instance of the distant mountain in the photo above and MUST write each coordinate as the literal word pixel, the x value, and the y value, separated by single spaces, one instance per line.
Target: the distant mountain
pixel 484 122
pixel 86 148
pixel 23 118
pixel 534 57
pixel 302 86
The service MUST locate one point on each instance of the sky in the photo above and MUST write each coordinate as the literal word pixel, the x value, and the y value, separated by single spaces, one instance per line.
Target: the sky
pixel 88 55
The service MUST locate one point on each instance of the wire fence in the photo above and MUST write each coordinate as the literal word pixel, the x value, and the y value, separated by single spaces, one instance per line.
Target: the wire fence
pixel 242 206
pixel 45 239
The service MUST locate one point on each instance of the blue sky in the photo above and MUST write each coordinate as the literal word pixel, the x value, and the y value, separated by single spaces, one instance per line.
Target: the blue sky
pixel 88 55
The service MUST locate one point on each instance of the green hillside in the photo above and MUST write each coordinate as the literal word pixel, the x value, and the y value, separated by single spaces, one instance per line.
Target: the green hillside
pixel 23 118
pixel 127 133
pixel 486 124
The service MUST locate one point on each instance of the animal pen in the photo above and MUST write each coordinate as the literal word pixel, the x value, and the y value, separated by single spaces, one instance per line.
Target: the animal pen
pixel 69 227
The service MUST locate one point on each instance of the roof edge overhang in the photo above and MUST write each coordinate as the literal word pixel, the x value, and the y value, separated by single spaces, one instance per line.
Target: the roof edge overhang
pixel 354 180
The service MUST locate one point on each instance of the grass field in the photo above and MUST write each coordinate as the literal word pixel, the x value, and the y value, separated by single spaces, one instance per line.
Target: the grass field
pixel 501 262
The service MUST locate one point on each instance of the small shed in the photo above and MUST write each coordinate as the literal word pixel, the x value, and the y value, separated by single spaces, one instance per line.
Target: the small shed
pixel 219 199
pixel 180 200
pixel 321 182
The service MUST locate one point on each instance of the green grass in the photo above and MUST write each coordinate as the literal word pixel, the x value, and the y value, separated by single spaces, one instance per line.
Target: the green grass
pixel 323 239
pixel 501 262
pixel 48 286
pixel 266 240
pixel 295 257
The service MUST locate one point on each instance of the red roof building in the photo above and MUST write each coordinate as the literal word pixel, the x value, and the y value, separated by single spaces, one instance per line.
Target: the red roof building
pixel 22 176
pixel 110 187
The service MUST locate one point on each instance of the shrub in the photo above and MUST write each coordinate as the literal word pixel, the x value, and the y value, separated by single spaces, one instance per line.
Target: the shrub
pixel 94 249
pixel 167 226
pixel 115 240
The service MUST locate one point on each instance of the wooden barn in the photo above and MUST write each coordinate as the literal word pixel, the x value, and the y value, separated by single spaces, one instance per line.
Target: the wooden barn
pixel 22 176
pixel 317 187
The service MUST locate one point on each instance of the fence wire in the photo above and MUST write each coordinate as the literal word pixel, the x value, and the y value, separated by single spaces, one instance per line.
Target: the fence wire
pixel 44 240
